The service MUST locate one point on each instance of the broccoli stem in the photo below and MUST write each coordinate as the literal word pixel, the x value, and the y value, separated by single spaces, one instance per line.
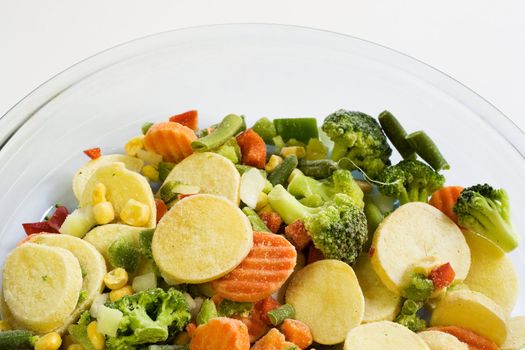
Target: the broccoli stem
pixel 427 149
pixel 496 229
pixel 229 127
pixel 373 219
pixel 287 206
pixel 396 134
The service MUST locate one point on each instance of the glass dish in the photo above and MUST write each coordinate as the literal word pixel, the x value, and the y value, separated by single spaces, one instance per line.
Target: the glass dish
pixel 251 69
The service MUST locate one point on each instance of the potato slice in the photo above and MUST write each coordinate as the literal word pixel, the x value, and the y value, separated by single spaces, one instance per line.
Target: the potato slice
pixel 211 172
pixel 383 335
pixel 327 297
pixel 413 234
pixel 474 311
pixel 91 262
pixel 81 178
pixel 437 340
pixel 41 286
pixel 121 185
pixel 381 304
pixel 102 236
pixel 516 334
pixel 490 269
pixel 201 238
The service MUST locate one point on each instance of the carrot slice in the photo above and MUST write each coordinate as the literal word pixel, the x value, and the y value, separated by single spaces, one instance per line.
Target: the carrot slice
pixel 221 333
pixel 442 276
pixel 297 234
pixel 93 153
pixel 171 140
pixel 189 119
pixel 297 332
pixel 161 208
pixel 445 198
pixel 273 340
pixel 268 265
pixel 272 220
pixel 472 339
pixel 253 149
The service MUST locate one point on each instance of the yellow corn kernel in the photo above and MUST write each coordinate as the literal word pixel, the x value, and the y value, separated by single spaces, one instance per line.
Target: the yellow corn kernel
pixel 294 173
pixel 150 172
pixel 299 151
pixel 265 209
pixel 103 213
pixel 68 341
pixel 50 341
pixel 96 338
pixel 116 278
pixel 273 163
pixel 135 213
pixel 116 294
pixel 262 201
pixel 4 326
pixel 75 347
pixel 134 145
pixel 99 193
pixel 182 338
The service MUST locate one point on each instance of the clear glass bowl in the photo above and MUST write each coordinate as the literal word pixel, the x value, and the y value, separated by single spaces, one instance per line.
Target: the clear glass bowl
pixel 251 69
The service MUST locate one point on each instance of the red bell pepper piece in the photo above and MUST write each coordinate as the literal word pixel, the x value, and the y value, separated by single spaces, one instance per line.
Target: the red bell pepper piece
pixel 93 153
pixel 442 276
pixel 189 119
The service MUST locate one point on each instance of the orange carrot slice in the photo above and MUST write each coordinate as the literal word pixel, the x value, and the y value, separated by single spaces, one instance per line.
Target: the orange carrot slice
pixel 273 340
pixel 269 263
pixel 297 332
pixel 472 339
pixel 171 140
pixel 221 333
pixel 253 149
pixel 445 198
pixel 189 119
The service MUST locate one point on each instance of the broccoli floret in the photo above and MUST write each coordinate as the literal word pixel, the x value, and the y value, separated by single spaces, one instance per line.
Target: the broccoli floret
pixel 228 308
pixel 408 316
pixel 150 316
pixel 338 228
pixel 409 181
pixel 486 211
pixel 419 288
pixel 341 181
pixel 359 137
pixel 123 253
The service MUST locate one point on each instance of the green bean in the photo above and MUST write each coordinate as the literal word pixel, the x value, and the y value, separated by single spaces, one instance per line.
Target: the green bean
pixel 277 316
pixel 396 134
pixel 229 127
pixel 427 149
pixel 145 127
pixel 206 312
pixel 318 169
pixel 280 175
pixel 257 223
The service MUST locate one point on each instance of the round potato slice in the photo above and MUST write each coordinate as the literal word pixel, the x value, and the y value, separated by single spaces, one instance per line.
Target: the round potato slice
pixel 381 304
pixel 211 172
pixel 121 185
pixel 383 335
pixel 413 234
pixel 102 236
pixel 327 297
pixel 81 178
pixel 201 238
pixel 41 286
pixel 474 311
pixel 437 340
pixel 516 334
pixel 490 269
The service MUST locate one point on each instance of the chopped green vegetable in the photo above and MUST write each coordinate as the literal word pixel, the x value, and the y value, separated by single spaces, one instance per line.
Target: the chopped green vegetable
pixel 374 216
pixel 229 127
pixel 280 175
pixel 82 296
pixel 228 308
pixel 17 340
pixel 171 190
pixel 301 129
pixel 164 169
pixel 408 316
pixel 278 315
pixel 257 223
pixel 230 149
pixel 419 288
pixel 145 127
pixel 396 134
pixel 427 149
pixel 316 150
pixel 145 238
pixel 278 142
pixel 123 253
pixel 79 331
pixel 264 128
pixel 207 311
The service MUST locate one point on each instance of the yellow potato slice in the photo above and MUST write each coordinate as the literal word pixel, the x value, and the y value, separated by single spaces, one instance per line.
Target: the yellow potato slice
pixel 327 297
pixel 383 335
pixel 414 234
pixel 474 311
pixel 121 185
pixel 41 286
pixel 516 334
pixel 490 269
pixel 81 178
pixel 91 262
pixel 381 304
pixel 201 238
pixel 211 172
pixel 437 340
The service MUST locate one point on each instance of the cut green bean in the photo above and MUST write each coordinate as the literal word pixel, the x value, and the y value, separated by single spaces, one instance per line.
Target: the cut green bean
pixel 301 129
pixel 427 150
pixel 257 223
pixel 229 127
pixel 206 312
pixel 318 169
pixel 277 316
pixel 396 134
pixel 280 175
pixel 145 127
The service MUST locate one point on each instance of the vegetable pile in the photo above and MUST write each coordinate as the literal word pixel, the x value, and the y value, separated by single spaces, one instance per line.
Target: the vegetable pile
pixel 283 235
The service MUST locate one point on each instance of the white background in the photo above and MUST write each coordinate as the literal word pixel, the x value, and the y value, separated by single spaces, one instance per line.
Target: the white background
pixel 481 43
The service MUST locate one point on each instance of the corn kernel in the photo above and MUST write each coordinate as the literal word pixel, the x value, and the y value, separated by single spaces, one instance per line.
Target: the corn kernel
pixel 116 278
pixel 97 339
pixel 99 193
pixel 265 209
pixel 273 163
pixel 299 151
pixel 150 172
pixel 294 173
pixel 135 213
pixel 4 326
pixel 75 347
pixel 103 213
pixel 116 294
pixel 50 341
pixel 262 201
pixel 134 145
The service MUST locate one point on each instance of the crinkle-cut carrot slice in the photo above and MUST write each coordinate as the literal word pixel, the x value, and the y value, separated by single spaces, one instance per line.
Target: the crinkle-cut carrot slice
pixel 273 340
pixel 445 198
pixel 268 265
pixel 171 140
pixel 472 339
pixel 221 333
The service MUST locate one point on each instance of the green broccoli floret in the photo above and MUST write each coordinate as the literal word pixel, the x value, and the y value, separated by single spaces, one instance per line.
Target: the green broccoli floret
pixel 341 181
pixel 338 228
pixel 408 316
pixel 486 211
pixel 419 288
pixel 229 308
pixel 359 137
pixel 409 181
pixel 123 253
pixel 150 316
